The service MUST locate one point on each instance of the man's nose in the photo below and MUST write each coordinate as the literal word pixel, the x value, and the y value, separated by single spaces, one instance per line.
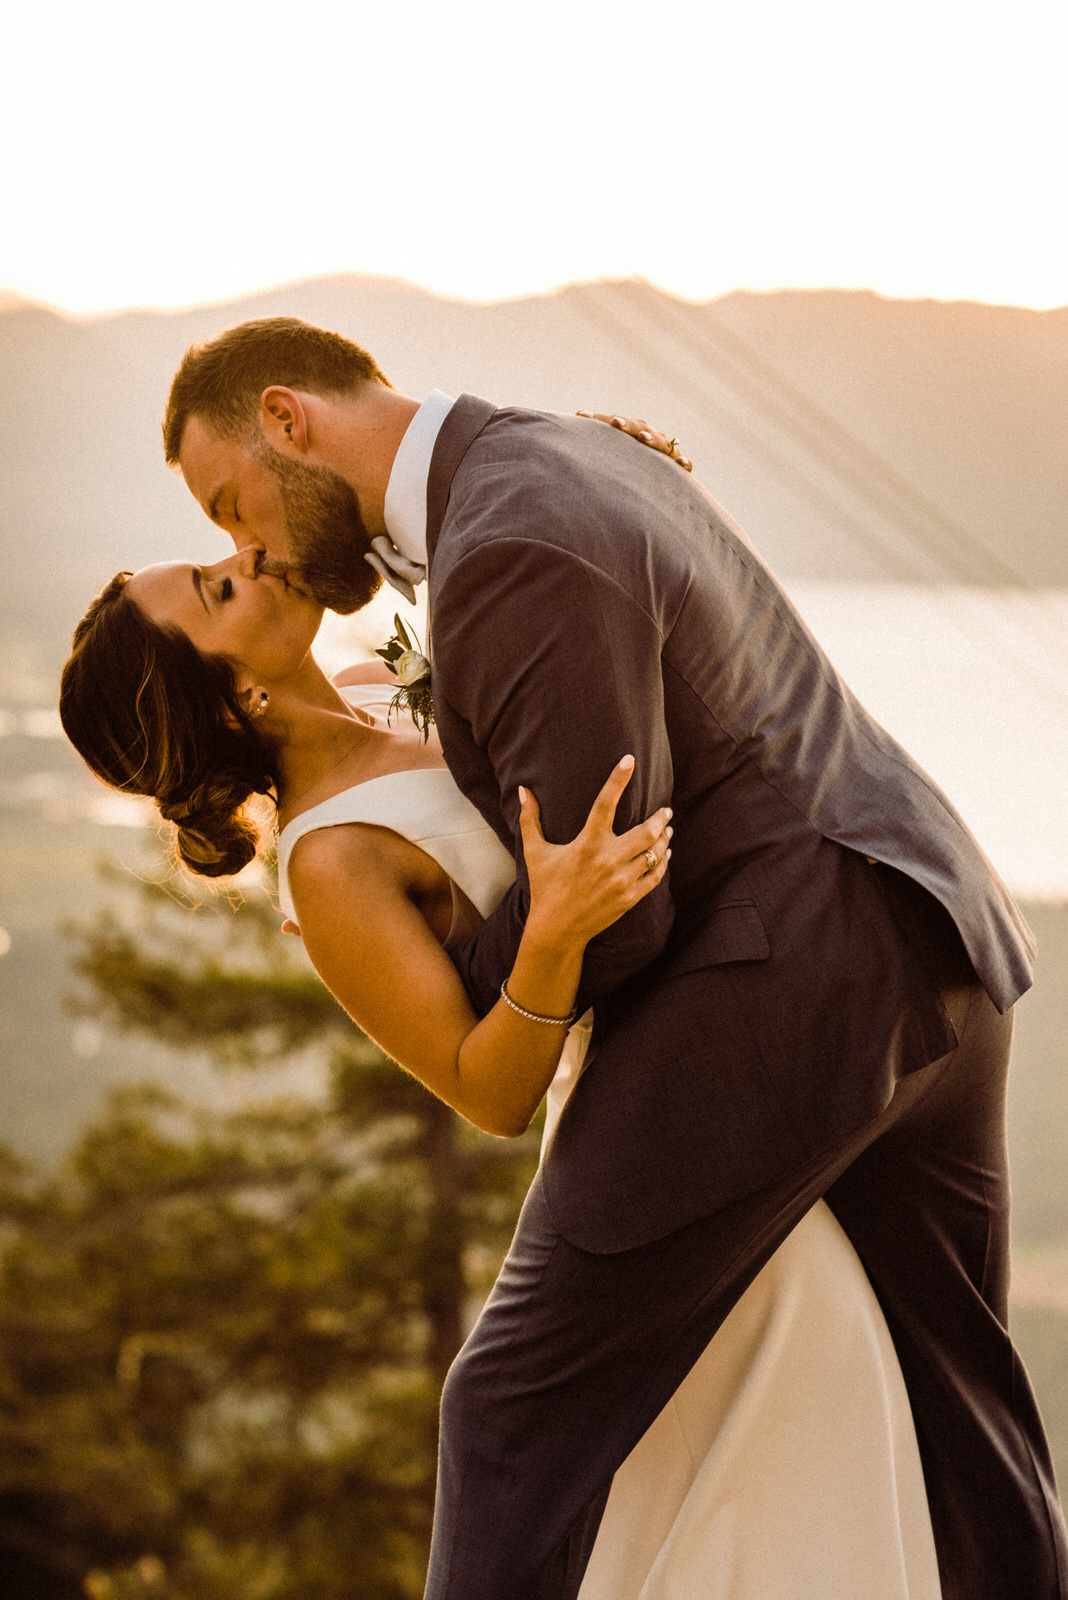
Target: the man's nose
pixel 248 560
pixel 243 562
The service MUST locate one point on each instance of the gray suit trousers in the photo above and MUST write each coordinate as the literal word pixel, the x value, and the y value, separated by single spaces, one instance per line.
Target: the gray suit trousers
pixel 576 1352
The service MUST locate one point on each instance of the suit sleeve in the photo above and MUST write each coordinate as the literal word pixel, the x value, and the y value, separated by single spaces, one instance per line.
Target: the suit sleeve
pixel 547 672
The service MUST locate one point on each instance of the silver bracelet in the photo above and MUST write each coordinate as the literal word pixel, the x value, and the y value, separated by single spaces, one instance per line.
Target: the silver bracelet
pixel 533 1016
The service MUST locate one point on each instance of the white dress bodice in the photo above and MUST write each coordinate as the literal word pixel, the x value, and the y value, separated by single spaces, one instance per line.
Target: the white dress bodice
pixel 424 806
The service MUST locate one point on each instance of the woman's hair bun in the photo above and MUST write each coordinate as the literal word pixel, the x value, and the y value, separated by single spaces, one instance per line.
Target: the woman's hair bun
pixel 215 837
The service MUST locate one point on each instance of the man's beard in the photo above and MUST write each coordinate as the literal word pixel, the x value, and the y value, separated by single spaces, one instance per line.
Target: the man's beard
pixel 326 534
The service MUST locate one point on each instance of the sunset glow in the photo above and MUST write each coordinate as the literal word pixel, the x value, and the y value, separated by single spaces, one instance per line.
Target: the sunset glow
pixel 485 151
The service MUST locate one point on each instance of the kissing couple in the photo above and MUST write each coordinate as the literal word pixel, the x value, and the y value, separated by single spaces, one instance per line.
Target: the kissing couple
pixel 655 860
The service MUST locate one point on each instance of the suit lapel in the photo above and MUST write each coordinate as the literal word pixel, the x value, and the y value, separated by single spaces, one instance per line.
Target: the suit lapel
pixel 459 430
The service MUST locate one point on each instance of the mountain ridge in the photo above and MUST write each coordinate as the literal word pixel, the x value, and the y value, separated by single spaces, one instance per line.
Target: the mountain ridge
pixel 856 437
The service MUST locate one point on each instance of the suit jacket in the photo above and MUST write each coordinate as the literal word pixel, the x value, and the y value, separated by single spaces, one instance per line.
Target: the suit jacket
pixel 589 599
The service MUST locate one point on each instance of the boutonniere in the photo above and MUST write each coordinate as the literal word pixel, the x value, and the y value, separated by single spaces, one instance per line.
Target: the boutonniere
pixel 412 670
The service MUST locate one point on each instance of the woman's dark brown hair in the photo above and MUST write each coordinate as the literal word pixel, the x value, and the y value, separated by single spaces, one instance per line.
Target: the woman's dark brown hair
pixel 150 715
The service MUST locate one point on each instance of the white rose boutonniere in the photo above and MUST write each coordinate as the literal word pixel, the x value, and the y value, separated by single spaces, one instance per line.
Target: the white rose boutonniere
pixel 411 668
pixel 412 671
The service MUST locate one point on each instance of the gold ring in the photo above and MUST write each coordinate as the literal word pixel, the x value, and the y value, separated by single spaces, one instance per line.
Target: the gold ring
pixel 650 862
pixel 672 447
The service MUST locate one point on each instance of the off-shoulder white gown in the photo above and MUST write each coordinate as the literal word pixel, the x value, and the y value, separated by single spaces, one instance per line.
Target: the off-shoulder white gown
pixel 786 1465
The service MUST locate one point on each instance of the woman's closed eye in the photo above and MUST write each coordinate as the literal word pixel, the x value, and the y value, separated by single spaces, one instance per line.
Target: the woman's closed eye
pixel 226 589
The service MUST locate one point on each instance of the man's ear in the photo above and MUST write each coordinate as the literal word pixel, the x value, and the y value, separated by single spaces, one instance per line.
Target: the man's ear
pixel 284 420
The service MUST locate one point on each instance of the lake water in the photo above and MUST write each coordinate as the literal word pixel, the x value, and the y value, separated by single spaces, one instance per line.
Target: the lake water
pixel 974 683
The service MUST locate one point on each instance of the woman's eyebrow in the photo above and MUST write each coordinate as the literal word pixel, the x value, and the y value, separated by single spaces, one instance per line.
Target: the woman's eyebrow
pixel 198 586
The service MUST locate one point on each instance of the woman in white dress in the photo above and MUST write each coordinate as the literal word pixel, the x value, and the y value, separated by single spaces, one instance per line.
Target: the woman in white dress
pixel 786 1466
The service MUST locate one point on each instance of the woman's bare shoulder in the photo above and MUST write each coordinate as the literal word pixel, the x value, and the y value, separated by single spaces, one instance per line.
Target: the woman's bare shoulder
pixel 355 864
pixel 346 849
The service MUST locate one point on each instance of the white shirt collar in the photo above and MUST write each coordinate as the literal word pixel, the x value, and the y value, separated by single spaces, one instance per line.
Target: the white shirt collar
pixel 405 504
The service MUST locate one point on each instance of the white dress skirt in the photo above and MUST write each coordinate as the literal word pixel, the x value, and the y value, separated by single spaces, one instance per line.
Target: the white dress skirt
pixel 785 1467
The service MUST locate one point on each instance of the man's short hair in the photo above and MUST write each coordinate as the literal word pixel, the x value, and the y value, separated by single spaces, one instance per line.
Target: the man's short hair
pixel 221 381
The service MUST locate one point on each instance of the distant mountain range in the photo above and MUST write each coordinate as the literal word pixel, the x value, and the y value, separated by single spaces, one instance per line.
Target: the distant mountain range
pixel 855 437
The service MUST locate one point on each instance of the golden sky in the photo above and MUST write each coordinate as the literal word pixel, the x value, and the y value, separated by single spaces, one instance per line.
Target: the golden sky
pixel 165 155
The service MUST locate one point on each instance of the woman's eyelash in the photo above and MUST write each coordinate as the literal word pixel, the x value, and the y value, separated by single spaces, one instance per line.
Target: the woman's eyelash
pixel 227 589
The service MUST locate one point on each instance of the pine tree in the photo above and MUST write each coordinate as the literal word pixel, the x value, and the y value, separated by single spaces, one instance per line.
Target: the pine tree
pixel 222 1336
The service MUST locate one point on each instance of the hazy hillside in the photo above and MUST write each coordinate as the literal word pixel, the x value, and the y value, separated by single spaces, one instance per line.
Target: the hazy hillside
pixel 855 437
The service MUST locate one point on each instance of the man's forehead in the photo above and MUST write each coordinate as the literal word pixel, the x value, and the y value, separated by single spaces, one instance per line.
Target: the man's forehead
pixel 207 462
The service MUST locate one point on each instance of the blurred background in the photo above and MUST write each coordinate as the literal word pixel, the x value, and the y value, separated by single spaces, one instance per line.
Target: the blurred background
pixel 821 245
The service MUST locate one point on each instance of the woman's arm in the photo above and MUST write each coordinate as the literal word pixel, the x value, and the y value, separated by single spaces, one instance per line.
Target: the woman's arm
pixel 358 891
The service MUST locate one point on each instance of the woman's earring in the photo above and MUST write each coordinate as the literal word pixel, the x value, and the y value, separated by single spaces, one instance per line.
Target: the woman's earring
pixel 265 701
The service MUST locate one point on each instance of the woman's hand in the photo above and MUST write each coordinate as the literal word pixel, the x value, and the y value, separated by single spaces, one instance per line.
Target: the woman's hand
pixel 357 891
pixel 579 889
pixel 640 429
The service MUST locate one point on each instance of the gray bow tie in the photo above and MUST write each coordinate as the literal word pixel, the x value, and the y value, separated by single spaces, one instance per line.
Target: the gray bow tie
pixel 395 568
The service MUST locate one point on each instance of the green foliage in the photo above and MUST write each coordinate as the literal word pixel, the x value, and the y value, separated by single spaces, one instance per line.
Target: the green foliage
pixel 198 969
pixel 222 1336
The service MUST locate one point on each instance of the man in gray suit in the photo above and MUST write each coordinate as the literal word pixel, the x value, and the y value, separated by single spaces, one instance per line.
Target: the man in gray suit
pixel 815 1003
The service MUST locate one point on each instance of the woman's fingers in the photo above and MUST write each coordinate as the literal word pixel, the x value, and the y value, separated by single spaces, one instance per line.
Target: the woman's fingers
pixel 585 886
pixel 529 819
pixel 646 835
pixel 601 815
pixel 653 833
pixel 652 869
pixel 660 846
pixel 647 869
pixel 641 852
pixel 603 811
pixel 638 428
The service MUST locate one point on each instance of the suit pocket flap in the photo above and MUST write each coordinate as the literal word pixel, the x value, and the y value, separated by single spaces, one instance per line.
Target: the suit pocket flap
pixel 731 933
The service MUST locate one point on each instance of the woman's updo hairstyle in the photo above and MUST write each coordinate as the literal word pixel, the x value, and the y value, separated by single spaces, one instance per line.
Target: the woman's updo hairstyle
pixel 150 715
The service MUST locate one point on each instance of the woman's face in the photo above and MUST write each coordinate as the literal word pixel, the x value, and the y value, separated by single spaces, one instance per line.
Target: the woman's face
pixel 262 625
